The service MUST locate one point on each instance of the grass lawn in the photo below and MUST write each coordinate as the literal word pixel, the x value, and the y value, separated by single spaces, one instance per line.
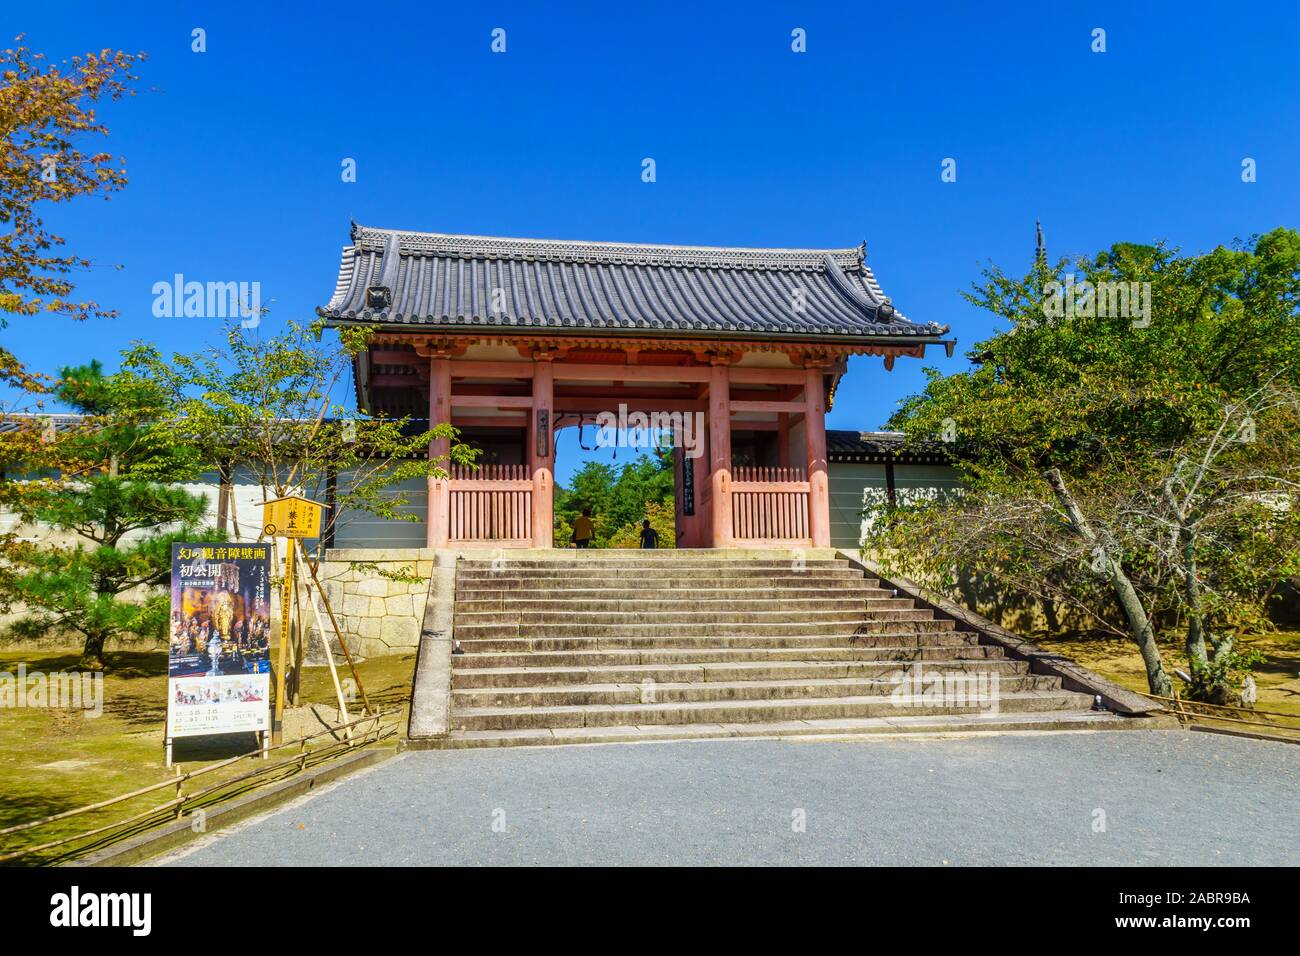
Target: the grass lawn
pixel 54 760
pixel 1278 678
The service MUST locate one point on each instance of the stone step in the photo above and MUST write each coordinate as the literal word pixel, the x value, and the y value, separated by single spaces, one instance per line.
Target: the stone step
pixel 730 554
pixel 602 646
pixel 523 645
pixel 507 582
pixel 654 602
pixel 958 724
pixel 796 590
pixel 665 578
pixel 637 559
pixel 466 678
pixel 546 695
pixel 570 626
pixel 671 573
pixel 582 616
pixel 623 658
pixel 668 555
pixel 728 711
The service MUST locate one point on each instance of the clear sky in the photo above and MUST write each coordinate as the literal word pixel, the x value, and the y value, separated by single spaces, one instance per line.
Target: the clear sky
pixel 235 154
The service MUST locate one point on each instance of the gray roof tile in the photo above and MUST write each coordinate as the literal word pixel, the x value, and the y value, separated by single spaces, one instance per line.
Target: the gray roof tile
pixel 447 281
pixel 851 446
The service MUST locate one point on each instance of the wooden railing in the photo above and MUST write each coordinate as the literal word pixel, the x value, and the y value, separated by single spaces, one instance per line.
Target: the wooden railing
pixel 770 505
pixel 1202 716
pixel 491 503
pixel 489 472
pixel 766 473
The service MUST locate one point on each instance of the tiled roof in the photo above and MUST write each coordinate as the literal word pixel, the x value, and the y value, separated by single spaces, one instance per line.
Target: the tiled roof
pixel 452 282
pixel 11 422
pixel 847 446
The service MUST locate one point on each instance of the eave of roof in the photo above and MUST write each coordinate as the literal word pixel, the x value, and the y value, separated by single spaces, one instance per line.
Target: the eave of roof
pixel 874 447
pixel 459 283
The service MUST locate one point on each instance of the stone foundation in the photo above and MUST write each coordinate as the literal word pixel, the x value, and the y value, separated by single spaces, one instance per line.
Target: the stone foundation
pixel 377 614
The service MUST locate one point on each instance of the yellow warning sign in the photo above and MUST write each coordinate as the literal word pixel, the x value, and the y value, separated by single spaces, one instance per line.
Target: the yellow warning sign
pixel 292 517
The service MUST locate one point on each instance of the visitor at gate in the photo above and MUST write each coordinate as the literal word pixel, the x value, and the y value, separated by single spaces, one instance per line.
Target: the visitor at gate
pixel 649 536
pixel 583 530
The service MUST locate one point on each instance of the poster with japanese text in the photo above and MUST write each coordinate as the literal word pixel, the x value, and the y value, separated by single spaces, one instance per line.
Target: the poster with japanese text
pixel 219 656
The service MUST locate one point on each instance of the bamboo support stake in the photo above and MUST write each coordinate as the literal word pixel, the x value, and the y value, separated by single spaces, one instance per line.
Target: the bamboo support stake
pixel 325 642
pixel 343 645
pixel 293 673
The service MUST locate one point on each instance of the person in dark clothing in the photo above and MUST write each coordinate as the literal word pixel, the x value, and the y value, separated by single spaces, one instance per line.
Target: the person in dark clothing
pixel 584 529
pixel 649 536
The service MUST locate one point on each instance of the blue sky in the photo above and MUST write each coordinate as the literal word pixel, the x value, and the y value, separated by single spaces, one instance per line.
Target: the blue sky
pixel 234 154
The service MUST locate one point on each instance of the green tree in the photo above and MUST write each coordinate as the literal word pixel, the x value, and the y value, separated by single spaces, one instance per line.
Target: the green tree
pixel 642 482
pixel 663 519
pixel 618 499
pixel 107 582
pixel 266 405
pixel 1122 461
pixel 47 117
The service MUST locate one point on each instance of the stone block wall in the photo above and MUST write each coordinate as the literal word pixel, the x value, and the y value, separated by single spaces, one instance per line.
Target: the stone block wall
pixel 378 615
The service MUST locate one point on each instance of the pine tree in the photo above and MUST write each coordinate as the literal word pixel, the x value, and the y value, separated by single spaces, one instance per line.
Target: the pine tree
pixel 108 581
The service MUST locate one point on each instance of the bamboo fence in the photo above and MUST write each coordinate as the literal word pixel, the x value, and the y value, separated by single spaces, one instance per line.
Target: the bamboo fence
pixel 175 808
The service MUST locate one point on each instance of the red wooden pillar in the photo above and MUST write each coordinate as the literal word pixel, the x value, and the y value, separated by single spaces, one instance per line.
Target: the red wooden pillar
pixel 814 428
pixel 541 451
pixel 439 516
pixel 440 412
pixel 720 453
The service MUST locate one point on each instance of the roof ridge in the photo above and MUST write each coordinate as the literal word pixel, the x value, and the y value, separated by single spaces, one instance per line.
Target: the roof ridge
pixel 40 415
pixel 430 280
pixel 469 245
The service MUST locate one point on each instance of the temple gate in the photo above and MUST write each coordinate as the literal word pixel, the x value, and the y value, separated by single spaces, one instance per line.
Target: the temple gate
pixel 512 340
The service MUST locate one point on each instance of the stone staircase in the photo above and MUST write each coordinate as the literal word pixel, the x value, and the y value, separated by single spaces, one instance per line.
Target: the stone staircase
pixel 603 646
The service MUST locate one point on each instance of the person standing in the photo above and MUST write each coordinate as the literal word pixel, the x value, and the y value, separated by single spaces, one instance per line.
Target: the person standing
pixel 584 529
pixel 649 536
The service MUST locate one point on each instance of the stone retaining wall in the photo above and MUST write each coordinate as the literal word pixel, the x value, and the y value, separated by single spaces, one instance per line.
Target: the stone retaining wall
pixel 377 614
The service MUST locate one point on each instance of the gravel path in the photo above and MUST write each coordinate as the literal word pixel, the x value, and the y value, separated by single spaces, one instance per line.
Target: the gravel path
pixel 1165 797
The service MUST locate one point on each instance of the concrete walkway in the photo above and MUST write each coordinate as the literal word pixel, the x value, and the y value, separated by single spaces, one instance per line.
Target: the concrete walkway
pixel 1163 797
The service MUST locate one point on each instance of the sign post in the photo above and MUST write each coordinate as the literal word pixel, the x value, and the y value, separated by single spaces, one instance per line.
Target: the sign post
pixel 291 517
pixel 295 518
pixel 286 614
